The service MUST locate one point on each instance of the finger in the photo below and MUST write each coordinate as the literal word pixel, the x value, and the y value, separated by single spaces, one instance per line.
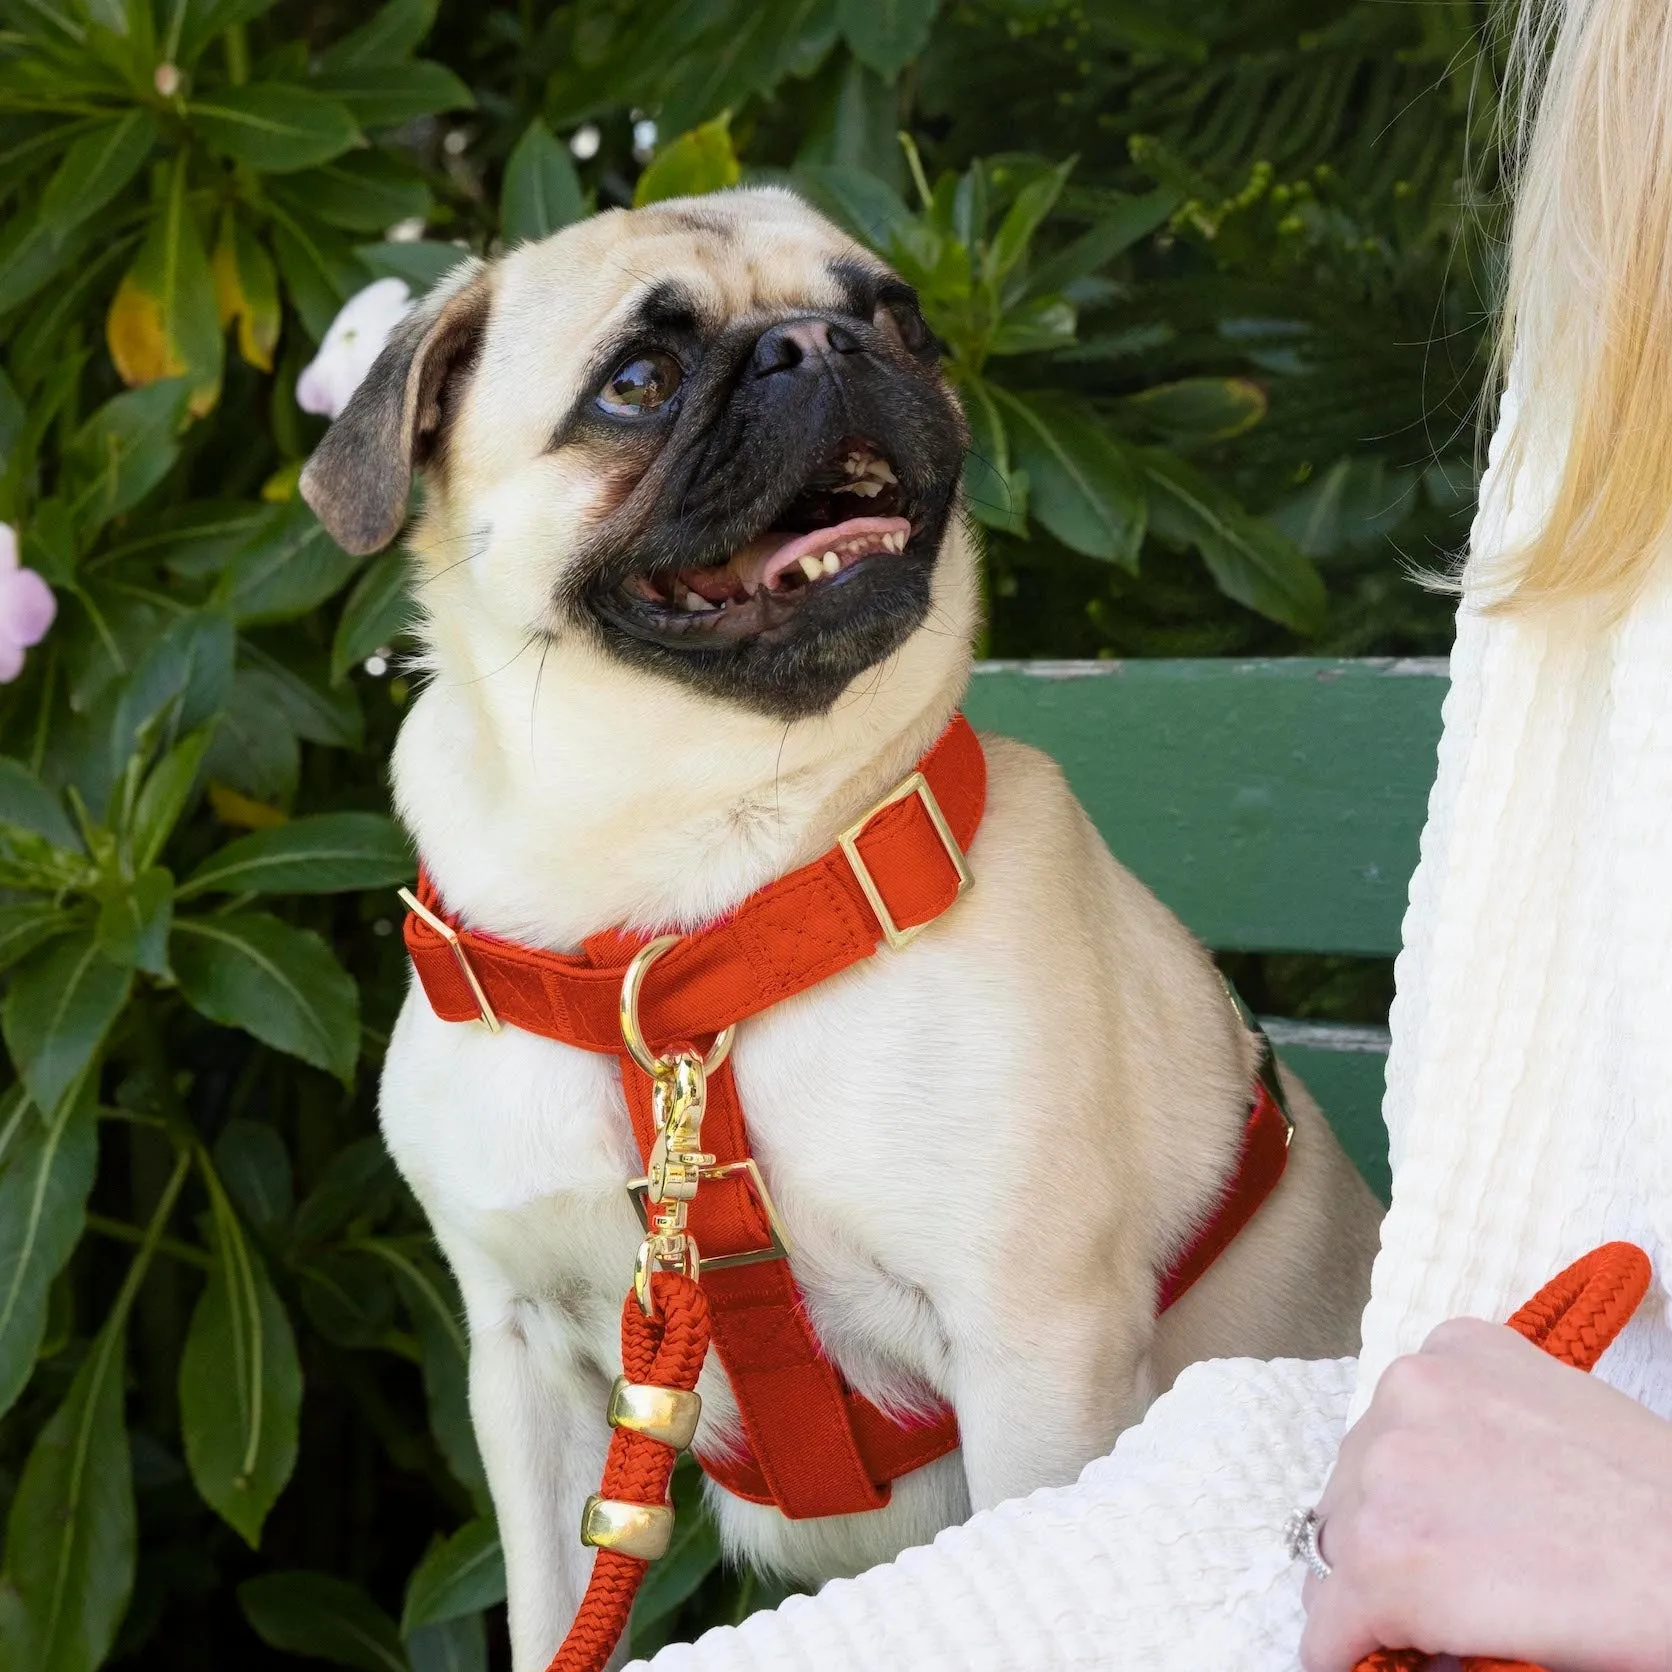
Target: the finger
pixel 1337 1636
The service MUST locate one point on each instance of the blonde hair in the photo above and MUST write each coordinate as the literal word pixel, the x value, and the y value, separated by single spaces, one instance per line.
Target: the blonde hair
pixel 1587 318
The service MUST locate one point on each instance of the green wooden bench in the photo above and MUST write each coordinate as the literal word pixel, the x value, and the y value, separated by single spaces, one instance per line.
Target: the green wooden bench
pixel 1275 806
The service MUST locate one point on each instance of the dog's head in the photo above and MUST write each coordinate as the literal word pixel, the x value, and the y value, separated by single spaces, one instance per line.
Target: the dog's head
pixel 710 438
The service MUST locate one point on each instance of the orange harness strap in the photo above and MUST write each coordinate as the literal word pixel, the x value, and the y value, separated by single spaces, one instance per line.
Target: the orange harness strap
pixel 814 1446
pixel 1574 1318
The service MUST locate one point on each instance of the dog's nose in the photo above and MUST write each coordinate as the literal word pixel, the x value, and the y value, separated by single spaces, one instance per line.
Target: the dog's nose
pixel 801 342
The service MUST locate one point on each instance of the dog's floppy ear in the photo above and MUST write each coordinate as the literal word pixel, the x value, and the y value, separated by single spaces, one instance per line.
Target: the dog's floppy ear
pixel 359 476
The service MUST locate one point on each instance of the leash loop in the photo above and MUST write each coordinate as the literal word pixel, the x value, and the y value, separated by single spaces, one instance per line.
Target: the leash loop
pixel 1574 1318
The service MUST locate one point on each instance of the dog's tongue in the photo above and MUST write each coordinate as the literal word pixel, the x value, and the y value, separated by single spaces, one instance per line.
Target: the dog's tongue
pixel 768 556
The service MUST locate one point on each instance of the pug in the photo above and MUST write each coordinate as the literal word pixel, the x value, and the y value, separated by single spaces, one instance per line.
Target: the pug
pixel 697 589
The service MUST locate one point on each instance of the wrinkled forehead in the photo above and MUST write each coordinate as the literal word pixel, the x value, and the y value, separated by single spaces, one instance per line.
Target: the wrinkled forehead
pixel 693 263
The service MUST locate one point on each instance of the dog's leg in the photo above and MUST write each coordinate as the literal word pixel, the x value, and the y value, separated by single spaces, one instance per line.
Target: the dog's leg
pixel 1040 1392
pixel 539 1418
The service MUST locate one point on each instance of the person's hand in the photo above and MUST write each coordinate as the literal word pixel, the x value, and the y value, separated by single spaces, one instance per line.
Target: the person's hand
pixel 1493 1501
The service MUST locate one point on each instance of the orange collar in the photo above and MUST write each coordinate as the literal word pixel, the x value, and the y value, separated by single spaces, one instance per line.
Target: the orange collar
pixel 814 1446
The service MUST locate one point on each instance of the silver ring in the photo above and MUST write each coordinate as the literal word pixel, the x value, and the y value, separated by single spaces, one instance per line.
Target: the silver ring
pixel 1301 1533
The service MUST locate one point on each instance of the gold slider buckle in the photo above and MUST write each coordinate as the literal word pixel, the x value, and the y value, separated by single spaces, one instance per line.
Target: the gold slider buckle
pixel 776 1248
pixel 449 934
pixel 642 1530
pixel 848 842
pixel 665 1414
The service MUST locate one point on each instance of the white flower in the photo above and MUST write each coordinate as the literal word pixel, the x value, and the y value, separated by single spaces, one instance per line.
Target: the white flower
pixel 356 338
pixel 27 607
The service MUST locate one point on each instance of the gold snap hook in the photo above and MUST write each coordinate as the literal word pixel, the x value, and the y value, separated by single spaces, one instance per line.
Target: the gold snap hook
pixel 632 1036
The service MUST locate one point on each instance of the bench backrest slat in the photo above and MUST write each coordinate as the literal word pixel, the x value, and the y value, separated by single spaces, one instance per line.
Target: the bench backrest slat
pixel 1274 805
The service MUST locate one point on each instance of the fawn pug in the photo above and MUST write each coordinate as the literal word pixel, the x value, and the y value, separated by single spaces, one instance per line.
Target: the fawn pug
pixel 697 589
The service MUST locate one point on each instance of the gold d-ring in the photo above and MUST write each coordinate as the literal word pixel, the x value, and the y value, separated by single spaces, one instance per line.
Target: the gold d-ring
pixel 637 1049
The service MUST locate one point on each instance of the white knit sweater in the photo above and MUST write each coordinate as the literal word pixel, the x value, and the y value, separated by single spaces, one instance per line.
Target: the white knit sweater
pixel 1529 1106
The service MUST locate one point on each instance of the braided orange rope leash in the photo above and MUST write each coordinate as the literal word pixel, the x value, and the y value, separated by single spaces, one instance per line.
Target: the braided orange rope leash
pixel 665 1350
pixel 1574 1318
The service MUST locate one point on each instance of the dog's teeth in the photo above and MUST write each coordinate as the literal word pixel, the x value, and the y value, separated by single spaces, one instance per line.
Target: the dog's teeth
pixel 854 465
pixel 831 563
pixel 812 567
pixel 866 489
pixel 695 603
pixel 881 469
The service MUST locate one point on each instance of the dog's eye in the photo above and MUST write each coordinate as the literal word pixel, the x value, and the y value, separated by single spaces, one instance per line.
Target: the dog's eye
pixel 641 384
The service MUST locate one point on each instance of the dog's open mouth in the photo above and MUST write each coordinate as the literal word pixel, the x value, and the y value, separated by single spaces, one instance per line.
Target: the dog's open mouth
pixel 851 514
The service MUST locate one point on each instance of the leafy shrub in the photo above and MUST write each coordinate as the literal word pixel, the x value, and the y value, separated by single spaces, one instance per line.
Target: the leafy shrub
pixel 1185 298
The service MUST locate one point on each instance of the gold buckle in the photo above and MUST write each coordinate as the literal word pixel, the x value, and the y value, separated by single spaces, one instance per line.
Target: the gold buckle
pixel 848 842
pixel 449 934
pixel 776 1248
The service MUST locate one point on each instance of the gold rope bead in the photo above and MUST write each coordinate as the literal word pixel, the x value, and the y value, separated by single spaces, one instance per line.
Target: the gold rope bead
pixel 665 1414
pixel 642 1530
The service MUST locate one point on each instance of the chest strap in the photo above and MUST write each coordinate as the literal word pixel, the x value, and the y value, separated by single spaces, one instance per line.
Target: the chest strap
pixel 814 1446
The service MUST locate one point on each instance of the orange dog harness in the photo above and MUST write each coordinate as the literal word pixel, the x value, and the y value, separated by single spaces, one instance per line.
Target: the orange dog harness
pixel 815 1447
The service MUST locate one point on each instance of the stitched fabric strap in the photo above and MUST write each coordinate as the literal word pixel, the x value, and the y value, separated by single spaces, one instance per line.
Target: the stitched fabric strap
pixel 815 1447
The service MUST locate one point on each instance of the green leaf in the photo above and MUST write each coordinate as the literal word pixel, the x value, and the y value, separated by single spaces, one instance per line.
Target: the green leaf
pixel 1081 485
pixel 247 291
pixel 182 681
pixel 323 853
pixel 294 689
pixel 273 126
pixel 31 254
pixel 58 1009
pixel 697 162
pixel 203 20
pixel 31 861
pixel 379 610
pixel 462 1574
pixel 251 1160
pixel 289 566
pixel 355 1181
pixel 1022 220
pixel 256 750
pixel 1250 560
pixel 27 803
pixel 459 1645
pixel 320 272
pixel 995 491
pixel 240 1384
pixel 423 262
pixel 166 793
pixel 434 1305
pixel 303 1613
pixel 1036 327
pixel 364 191
pixel 125 448
pixel 391 35
pixel 70 1536
pixel 95 168
pixel 542 192
pixel 24 927
pixel 867 207
pixel 133 924
pixel 348 1297
pixel 887 34
pixel 45 1177
pixel 163 320
pixel 386 95
pixel 1199 409
pixel 1113 234
pixel 280 984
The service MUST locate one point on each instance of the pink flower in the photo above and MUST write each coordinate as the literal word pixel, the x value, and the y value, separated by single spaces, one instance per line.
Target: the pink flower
pixel 26 607
pixel 355 339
